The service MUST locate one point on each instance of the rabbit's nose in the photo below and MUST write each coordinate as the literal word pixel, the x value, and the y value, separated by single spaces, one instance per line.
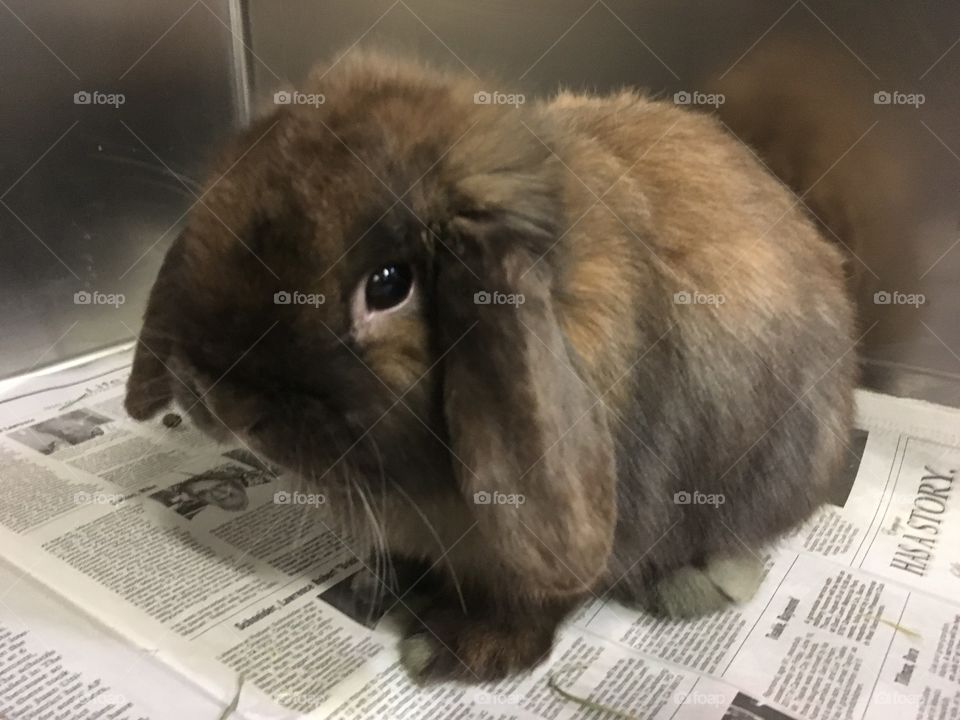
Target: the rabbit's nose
pixel 194 393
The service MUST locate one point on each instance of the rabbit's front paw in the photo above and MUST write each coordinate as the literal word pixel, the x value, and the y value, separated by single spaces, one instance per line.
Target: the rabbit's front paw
pixel 449 648
pixel 483 646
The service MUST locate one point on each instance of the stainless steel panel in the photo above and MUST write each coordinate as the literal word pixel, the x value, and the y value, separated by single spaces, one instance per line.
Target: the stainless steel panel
pixel 92 192
pixel 893 168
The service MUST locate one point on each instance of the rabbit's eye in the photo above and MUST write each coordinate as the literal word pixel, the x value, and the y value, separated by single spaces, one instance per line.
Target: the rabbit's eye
pixel 388 286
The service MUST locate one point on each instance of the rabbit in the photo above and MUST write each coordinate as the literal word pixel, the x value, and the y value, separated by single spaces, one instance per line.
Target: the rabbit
pixel 584 347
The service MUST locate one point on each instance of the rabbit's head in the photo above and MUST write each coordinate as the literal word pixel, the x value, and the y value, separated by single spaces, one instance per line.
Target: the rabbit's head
pixel 364 292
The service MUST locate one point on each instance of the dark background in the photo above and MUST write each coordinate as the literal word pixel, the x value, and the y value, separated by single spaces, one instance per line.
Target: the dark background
pixel 98 209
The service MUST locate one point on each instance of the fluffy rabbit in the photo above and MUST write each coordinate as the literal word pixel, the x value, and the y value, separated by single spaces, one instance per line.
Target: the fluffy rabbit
pixel 575 348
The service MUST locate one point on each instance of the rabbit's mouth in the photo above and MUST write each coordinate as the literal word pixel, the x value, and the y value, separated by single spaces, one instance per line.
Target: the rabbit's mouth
pixel 279 423
pixel 309 437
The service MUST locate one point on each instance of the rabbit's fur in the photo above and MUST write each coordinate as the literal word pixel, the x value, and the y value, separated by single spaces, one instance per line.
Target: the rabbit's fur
pixel 600 399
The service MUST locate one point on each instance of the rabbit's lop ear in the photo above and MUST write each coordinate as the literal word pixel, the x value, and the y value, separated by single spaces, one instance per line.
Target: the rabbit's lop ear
pixel 150 385
pixel 532 451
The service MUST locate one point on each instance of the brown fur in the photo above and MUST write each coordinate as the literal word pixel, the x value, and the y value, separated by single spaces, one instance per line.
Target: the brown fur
pixel 597 399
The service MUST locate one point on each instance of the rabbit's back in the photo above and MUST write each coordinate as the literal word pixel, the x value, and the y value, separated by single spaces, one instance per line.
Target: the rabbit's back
pixel 711 318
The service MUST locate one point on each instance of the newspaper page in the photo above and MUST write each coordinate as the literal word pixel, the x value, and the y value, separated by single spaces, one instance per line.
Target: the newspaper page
pixel 148 541
pixel 56 663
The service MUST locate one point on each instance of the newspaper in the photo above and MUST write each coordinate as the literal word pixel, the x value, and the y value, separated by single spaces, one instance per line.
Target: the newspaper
pixel 147 573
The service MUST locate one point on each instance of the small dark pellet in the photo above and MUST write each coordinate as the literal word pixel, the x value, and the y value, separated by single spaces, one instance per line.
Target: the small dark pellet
pixel 171 420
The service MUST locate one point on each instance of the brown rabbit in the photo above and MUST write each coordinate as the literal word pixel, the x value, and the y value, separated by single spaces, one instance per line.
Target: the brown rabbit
pixel 576 348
